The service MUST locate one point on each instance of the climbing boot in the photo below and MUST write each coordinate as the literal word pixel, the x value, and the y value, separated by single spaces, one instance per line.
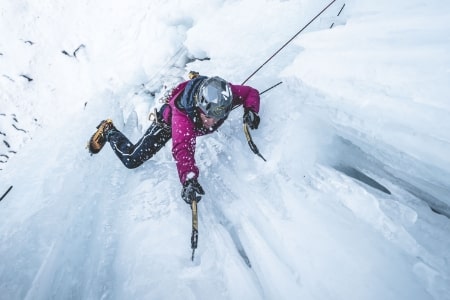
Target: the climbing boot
pixel 99 138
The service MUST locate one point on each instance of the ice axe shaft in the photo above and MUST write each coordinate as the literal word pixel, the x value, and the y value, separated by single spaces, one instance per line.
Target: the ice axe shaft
pixel 194 236
pixel 251 143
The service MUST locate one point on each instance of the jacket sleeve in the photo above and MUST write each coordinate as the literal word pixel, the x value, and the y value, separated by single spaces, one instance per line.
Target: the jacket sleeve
pixel 247 96
pixel 183 145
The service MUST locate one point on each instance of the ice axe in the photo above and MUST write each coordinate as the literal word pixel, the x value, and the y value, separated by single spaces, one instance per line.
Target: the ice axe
pixel 194 236
pixel 248 136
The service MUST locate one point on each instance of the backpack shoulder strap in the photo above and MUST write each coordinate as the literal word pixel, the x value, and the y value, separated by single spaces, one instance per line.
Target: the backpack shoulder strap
pixel 187 101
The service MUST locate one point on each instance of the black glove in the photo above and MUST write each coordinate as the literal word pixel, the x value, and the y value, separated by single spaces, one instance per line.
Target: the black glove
pixel 251 118
pixel 190 190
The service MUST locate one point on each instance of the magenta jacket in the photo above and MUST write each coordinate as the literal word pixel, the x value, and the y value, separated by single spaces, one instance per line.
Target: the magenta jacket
pixel 185 131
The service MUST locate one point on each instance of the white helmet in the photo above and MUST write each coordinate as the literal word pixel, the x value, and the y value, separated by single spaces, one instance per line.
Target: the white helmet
pixel 215 98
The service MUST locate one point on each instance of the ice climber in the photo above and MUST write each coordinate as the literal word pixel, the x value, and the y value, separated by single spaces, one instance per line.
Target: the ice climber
pixel 194 108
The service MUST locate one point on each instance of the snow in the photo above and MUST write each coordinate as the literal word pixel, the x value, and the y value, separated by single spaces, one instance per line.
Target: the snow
pixel 352 203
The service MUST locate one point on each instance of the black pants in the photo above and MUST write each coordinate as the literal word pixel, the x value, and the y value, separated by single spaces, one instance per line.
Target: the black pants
pixel 132 156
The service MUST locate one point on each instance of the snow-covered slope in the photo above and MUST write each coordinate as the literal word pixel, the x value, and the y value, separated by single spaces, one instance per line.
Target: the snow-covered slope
pixel 352 203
